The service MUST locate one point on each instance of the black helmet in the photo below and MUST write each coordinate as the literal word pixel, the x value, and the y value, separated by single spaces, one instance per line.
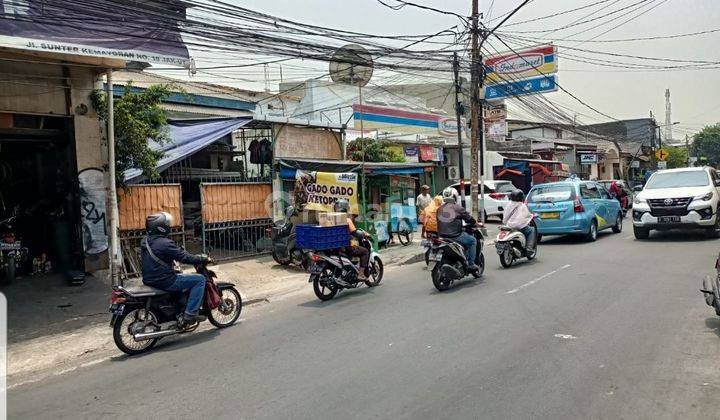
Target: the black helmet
pixel 342 206
pixel 517 195
pixel 158 223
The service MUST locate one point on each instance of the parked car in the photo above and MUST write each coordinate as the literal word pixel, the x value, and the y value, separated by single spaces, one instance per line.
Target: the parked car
pixel 683 198
pixel 574 207
pixel 496 196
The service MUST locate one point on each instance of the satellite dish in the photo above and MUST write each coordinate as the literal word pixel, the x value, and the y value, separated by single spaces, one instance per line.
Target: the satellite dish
pixel 351 65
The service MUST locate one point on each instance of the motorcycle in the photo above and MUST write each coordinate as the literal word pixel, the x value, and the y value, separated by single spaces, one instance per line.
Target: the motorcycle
pixel 510 244
pixel 447 262
pixel 139 312
pixel 283 236
pixel 333 271
pixel 711 289
pixel 12 253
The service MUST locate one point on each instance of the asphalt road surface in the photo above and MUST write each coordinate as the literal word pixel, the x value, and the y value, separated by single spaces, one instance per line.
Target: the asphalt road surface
pixel 611 329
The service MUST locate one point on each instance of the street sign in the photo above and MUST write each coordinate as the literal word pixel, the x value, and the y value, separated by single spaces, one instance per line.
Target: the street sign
pixel 541 84
pixel 521 64
pixel 662 164
pixel 662 154
pixel 635 164
pixel 588 158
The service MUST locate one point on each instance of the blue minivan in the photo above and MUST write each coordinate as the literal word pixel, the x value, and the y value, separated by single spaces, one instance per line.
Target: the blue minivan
pixel 574 207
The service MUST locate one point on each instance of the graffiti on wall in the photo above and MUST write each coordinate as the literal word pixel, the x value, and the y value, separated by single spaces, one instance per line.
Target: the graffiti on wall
pixel 92 210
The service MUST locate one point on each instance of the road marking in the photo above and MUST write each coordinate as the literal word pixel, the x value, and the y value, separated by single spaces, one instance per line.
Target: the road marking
pixel 531 282
pixel 565 336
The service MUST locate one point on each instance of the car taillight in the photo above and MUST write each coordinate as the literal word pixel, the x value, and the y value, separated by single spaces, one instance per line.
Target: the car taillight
pixel 578 207
pixel 498 196
pixel 117 297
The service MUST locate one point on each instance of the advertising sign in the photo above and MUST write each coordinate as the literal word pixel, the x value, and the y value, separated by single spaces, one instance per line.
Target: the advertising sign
pixel 105 29
pixel 404 121
pixel 540 84
pixel 412 154
pixel 518 65
pixel 320 190
pixel 496 128
pixel 588 158
pixel 495 112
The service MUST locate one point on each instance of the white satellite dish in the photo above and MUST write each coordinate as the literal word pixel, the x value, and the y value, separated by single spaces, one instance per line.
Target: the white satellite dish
pixel 351 65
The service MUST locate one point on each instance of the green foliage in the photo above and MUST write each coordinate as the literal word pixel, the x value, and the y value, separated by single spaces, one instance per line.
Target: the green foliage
pixel 374 150
pixel 677 158
pixel 706 144
pixel 138 118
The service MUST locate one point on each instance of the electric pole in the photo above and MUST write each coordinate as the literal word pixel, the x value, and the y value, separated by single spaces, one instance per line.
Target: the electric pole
pixel 458 113
pixel 475 111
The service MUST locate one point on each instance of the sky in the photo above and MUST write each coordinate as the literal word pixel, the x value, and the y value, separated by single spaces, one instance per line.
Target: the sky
pixel 619 93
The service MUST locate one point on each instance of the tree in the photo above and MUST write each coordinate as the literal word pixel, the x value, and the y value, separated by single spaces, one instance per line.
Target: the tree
pixel 138 119
pixel 706 144
pixel 374 150
pixel 677 158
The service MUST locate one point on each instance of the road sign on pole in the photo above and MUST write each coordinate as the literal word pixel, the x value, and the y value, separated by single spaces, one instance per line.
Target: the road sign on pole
pixel 522 87
pixel 662 154
pixel 662 165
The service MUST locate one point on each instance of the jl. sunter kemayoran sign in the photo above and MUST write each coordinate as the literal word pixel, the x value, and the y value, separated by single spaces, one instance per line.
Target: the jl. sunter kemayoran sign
pixel 320 190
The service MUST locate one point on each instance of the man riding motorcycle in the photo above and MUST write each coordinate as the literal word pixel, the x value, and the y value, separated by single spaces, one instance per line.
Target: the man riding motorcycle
pixel 158 252
pixel 450 218
pixel 343 206
pixel 518 216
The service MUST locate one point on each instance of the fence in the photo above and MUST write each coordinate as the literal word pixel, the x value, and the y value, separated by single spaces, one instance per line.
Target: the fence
pixel 235 217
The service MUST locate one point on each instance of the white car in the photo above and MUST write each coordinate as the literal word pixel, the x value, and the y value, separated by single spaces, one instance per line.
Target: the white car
pixel 683 198
pixel 496 196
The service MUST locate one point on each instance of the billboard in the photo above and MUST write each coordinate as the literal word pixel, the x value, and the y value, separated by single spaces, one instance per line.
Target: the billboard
pixel 403 121
pixel 106 29
pixel 521 64
pixel 542 84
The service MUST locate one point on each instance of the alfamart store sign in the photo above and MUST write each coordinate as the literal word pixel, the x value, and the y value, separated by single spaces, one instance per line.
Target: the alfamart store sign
pixel 131 32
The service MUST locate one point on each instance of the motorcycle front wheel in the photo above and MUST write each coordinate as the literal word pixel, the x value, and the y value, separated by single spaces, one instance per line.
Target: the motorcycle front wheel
pixel 376 271
pixel 229 311
pixel 481 266
pixel 129 324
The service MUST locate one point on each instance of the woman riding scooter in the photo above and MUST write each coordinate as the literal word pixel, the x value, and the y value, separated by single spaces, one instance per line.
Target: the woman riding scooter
pixel 518 216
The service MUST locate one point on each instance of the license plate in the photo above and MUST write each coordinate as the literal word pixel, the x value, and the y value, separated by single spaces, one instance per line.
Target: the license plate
pixel 550 215
pixel 315 269
pixel 8 247
pixel 435 256
pixel 116 308
pixel 669 219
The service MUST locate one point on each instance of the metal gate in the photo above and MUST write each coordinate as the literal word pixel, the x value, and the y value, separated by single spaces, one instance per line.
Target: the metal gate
pixel 235 219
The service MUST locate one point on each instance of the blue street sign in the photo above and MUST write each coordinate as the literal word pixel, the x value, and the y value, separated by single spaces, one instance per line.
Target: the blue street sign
pixel 540 84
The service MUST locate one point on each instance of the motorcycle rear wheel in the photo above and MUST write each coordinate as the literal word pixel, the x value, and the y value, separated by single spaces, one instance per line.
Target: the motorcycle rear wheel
pixel 439 281
pixel 481 266
pixel 123 337
pixel 233 301
pixel 322 290
pixel 277 259
pixel 507 257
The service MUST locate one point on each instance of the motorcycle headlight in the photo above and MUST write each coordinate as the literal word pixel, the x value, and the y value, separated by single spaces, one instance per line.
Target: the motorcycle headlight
pixel 705 197
pixel 638 200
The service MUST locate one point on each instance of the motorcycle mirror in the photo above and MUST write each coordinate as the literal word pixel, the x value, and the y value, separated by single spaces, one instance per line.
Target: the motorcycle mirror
pixel 289 211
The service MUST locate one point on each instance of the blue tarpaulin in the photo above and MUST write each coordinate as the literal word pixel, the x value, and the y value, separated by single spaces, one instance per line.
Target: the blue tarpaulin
pixel 187 137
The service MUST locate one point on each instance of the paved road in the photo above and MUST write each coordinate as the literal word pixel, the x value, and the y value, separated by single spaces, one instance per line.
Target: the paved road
pixel 612 329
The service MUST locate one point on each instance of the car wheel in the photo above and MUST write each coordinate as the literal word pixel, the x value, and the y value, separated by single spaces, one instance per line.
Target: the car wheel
pixel 618 223
pixel 714 232
pixel 592 234
pixel 641 233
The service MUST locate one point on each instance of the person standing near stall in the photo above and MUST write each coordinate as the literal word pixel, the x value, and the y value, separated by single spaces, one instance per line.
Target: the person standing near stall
pixel 423 200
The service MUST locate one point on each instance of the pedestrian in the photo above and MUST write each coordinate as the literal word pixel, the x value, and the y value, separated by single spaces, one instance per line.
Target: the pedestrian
pixel 422 201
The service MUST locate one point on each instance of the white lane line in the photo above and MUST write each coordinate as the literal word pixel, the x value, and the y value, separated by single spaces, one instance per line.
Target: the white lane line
pixel 531 282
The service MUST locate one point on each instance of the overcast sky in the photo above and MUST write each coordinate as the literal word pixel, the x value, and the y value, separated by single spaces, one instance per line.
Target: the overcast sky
pixel 617 92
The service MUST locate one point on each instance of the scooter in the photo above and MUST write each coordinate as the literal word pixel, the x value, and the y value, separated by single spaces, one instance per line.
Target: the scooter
pixel 284 249
pixel 711 288
pixel 138 313
pixel 332 271
pixel 447 262
pixel 510 245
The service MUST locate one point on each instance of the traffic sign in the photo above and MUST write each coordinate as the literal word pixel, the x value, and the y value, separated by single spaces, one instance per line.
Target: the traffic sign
pixel 522 87
pixel 662 154
pixel 662 165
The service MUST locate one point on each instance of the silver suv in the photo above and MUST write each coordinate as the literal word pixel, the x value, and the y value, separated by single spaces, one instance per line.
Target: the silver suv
pixel 681 198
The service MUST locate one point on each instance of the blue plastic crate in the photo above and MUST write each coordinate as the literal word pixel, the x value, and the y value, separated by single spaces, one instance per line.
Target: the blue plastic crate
pixel 322 237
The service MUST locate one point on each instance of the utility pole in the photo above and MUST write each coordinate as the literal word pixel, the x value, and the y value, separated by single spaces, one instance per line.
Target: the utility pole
pixel 668 116
pixel 476 127
pixel 687 150
pixel 458 109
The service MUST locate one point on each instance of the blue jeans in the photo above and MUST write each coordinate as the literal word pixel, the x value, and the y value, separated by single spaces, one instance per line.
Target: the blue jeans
pixel 529 233
pixel 470 244
pixel 193 282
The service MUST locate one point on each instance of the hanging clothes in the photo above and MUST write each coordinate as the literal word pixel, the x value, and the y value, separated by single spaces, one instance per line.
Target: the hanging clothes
pixel 254 149
pixel 265 154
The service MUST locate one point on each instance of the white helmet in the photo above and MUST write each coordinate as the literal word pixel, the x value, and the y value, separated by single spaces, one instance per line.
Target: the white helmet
pixel 450 194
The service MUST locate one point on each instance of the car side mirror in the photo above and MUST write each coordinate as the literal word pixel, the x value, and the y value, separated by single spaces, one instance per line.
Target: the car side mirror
pixel 637 188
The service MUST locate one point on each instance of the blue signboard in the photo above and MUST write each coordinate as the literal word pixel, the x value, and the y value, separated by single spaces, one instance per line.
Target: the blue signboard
pixel 540 84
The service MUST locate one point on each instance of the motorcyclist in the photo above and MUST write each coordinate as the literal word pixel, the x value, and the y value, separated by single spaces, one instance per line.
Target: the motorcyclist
pixel 158 252
pixel 450 218
pixel 518 216
pixel 343 206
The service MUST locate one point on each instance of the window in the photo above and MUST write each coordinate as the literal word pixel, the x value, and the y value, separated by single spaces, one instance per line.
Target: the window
pixel 680 179
pixel 589 191
pixel 551 193
pixel 505 187
pixel 603 192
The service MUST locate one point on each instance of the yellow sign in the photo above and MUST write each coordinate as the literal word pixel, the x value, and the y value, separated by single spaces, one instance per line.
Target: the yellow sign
pixel 662 154
pixel 320 190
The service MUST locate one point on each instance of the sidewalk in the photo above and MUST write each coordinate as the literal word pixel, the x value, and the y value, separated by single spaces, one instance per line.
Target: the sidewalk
pixel 56 328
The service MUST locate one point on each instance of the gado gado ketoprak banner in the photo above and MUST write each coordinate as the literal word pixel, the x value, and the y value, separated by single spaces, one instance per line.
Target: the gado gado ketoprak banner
pixel 131 31
pixel 320 190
